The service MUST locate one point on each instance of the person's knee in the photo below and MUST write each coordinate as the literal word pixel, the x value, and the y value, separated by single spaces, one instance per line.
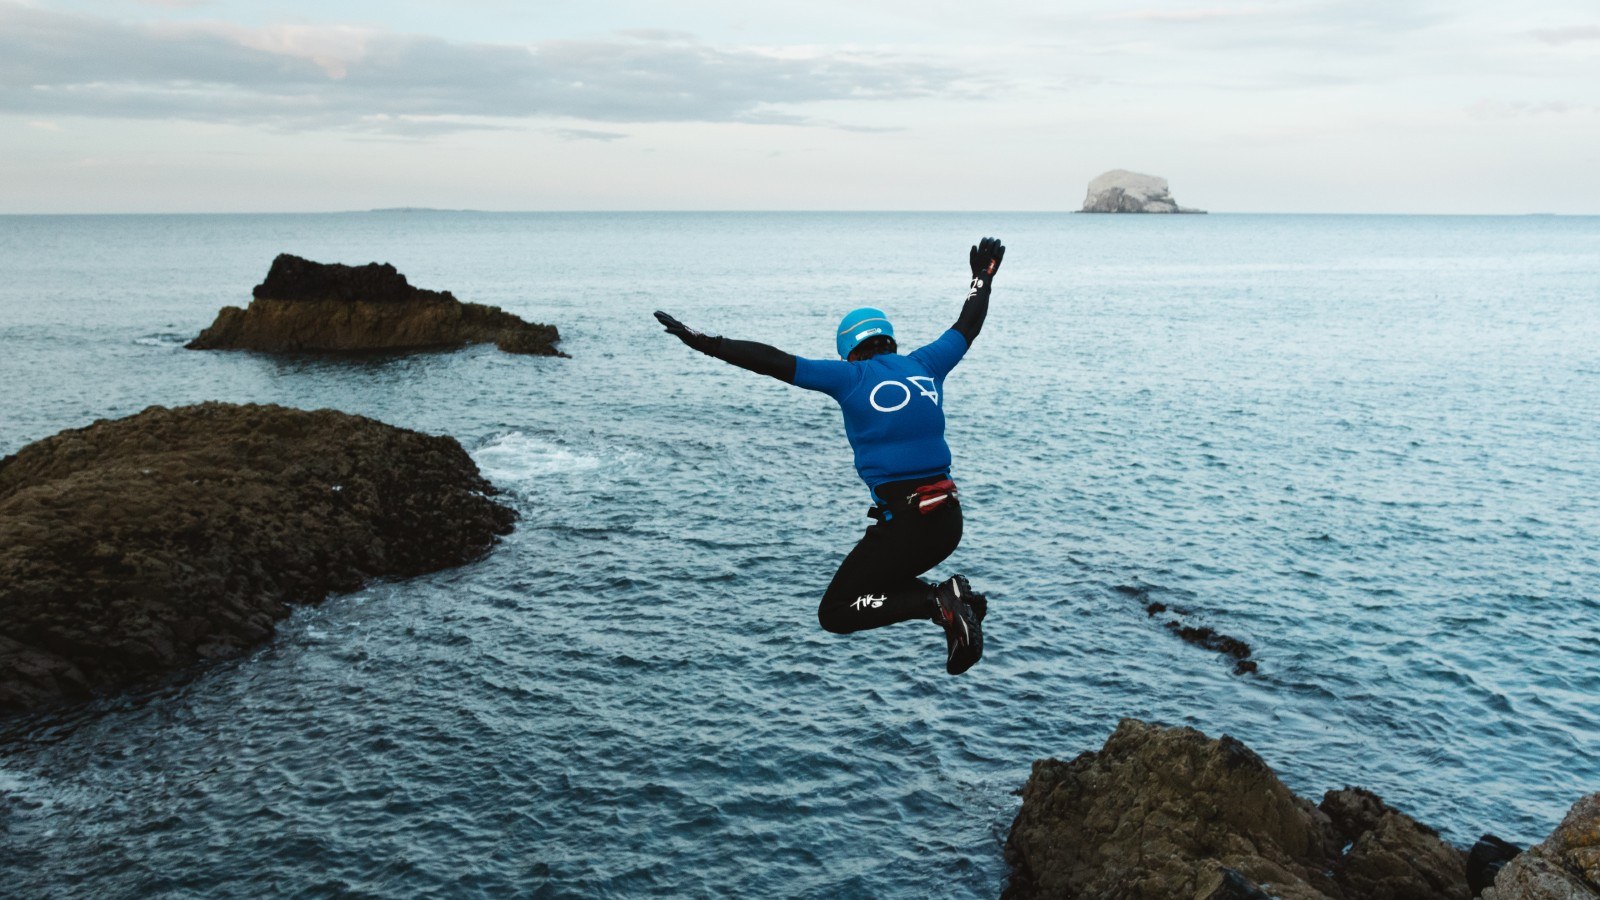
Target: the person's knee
pixel 835 620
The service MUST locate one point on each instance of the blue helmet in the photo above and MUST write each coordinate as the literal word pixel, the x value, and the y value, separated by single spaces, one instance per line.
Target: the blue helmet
pixel 859 325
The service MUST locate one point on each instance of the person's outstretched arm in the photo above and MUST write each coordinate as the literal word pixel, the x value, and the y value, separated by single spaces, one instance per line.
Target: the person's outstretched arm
pixel 760 358
pixel 985 260
pixel 942 355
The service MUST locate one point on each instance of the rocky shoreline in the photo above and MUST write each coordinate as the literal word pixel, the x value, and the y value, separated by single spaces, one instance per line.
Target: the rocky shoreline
pixel 1161 813
pixel 139 546
pixel 306 306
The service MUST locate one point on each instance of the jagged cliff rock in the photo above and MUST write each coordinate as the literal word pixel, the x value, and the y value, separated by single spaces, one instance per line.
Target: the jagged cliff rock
pixel 1565 867
pixel 137 546
pixel 1121 191
pixel 1164 813
pixel 310 306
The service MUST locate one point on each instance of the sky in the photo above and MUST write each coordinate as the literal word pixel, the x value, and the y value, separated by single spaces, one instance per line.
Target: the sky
pixel 1466 106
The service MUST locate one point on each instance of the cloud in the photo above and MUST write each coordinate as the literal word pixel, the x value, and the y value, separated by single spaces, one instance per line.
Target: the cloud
pixel 589 134
pixel 1186 15
pixel 1323 34
pixel 412 126
pixel 868 129
pixel 662 35
pixel 330 47
pixel 55 64
pixel 1571 34
pixel 1500 109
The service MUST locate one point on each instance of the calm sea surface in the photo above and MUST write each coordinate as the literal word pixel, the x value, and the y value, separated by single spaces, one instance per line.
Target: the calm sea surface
pixel 1369 446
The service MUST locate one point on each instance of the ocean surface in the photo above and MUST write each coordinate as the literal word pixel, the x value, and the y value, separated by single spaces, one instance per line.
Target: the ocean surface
pixel 1368 446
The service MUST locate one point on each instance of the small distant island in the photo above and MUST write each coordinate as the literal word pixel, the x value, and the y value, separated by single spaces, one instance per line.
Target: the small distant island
pixel 306 306
pixel 1121 191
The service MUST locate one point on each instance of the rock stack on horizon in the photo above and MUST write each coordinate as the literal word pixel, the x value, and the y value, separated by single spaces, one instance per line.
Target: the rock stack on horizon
pixel 306 306
pixel 1121 191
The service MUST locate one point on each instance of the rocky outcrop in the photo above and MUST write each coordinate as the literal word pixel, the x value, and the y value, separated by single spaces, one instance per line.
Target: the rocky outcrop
pixel 1203 636
pixel 310 306
pixel 1121 191
pixel 1162 813
pixel 1565 867
pixel 138 546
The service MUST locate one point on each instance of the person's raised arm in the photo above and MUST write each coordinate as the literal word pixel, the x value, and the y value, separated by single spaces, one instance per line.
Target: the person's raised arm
pixel 763 359
pixel 985 259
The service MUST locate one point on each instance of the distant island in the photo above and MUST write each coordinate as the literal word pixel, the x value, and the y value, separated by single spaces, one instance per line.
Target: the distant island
pixel 1121 191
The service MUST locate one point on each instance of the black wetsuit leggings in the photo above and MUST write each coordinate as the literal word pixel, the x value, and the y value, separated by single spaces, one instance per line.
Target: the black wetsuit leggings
pixel 877 583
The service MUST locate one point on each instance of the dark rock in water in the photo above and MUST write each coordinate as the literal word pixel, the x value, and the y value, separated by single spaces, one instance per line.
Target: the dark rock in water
pixel 1565 866
pixel 1204 636
pixel 1209 638
pixel 1485 860
pixel 138 546
pixel 309 306
pixel 1163 813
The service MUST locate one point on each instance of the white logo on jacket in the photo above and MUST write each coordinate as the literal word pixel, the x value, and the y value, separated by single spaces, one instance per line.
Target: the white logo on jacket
pixel 925 386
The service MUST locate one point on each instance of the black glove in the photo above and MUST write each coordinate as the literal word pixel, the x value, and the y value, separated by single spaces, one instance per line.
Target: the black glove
pixel 705 343
pixel 985 257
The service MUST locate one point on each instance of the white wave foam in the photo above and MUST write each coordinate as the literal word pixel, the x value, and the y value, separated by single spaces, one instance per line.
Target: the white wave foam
pixel 29 789
pixel 162 340
pixel 516 457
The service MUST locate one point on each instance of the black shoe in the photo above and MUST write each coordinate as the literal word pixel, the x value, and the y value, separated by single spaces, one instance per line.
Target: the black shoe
pixel 980 606
pixel 963 637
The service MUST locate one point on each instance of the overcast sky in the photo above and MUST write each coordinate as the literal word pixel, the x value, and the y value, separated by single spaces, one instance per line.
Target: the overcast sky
pixel 1464 106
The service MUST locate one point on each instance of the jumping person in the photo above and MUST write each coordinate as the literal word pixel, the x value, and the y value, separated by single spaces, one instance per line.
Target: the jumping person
pixel 894 417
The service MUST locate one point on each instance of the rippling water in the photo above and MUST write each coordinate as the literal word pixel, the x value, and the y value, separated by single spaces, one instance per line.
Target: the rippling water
pixel 1366 445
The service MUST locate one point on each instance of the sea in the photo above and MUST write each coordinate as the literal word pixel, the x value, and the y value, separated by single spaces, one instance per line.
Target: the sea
pixel 1367 446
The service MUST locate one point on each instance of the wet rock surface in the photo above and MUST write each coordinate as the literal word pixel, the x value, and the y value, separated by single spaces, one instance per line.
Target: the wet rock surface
pixel 1566 866
pixel 139 546
pixel 1163 813
pixel 310 306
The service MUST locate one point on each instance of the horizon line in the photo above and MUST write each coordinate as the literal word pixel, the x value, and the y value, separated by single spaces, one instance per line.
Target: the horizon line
pixel 406 210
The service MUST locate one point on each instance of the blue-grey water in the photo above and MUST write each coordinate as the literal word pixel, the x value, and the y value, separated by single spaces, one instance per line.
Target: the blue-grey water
pixel 1369 446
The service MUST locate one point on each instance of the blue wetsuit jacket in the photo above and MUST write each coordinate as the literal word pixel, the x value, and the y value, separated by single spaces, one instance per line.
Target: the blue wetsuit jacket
pixel 893 405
